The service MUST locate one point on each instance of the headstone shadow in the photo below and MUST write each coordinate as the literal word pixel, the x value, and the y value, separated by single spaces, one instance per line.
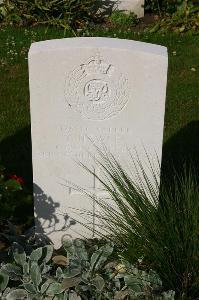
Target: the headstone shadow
pixel 47 220
pixel 181 151
pixel 16 155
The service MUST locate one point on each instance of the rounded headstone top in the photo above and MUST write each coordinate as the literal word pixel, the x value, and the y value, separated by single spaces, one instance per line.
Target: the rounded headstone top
pixel 96 42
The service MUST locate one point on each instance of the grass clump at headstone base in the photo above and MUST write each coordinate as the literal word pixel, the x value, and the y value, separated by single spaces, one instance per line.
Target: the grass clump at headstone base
pixel 155 222
pixel 180 131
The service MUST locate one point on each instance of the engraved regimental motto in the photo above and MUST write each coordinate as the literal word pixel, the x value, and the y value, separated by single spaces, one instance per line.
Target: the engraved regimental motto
pixel 96 89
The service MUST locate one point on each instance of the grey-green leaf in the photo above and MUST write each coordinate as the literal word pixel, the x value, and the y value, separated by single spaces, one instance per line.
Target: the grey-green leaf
pixel 13 271
pixel 80 249
pixel 6 292
pixel 18 254
pixel 70 282
pixel 16 294
pixel 3 281
pixel 30 288
pixel 45 286
pixel 46 269
pixel 59 273
pixel 169 295
pixel 98 282
pixel 25 268
pixel 36 254
pixel 63 296
pixel 48 251
pixel 73 296
pixel 100 256
pixel 69 247
pixel 134 283
pixel 69 273
pixel 35 274
pixel 54 289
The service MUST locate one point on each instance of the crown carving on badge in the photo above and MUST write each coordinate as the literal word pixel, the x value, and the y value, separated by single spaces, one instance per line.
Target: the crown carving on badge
pixel 97 66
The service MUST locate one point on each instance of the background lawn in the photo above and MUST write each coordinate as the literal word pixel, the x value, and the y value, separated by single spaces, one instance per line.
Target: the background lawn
pixel 182 105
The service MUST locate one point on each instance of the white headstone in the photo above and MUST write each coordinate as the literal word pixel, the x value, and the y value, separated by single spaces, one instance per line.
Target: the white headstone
pixel 84 91
pixel 136 6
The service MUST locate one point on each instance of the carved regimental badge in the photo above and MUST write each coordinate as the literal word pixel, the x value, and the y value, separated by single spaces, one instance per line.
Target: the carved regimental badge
pixel 96 90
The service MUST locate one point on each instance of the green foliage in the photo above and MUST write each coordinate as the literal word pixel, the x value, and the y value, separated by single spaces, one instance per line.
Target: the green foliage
pixel 178 16
pixel 160 226
pixel 84 277
pixel 3 281
pixel 86 273
pixel 13 197
pixel 31 271
pixel 186 18
pixel 28 240
pixel 145 285
pixel 120 18
pixel 163 7
pixel 61 13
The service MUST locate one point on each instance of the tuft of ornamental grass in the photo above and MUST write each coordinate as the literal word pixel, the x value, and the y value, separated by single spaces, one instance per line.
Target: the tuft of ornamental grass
pixel 156 222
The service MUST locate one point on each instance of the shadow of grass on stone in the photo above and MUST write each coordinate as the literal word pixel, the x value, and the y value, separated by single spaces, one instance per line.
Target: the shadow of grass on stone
pixel 182 148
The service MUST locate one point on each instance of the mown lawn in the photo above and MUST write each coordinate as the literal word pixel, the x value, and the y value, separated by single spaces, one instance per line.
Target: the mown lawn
pixel 182 103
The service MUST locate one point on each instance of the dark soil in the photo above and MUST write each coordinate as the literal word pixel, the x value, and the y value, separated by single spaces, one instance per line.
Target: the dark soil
pixel 146 21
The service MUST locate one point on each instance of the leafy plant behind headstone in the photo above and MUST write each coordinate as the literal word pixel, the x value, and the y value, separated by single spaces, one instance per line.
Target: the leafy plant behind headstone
pixel 64 14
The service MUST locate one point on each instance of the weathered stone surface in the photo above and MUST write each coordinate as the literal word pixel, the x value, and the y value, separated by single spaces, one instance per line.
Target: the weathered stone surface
pixel 136 6
pixel 83 91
